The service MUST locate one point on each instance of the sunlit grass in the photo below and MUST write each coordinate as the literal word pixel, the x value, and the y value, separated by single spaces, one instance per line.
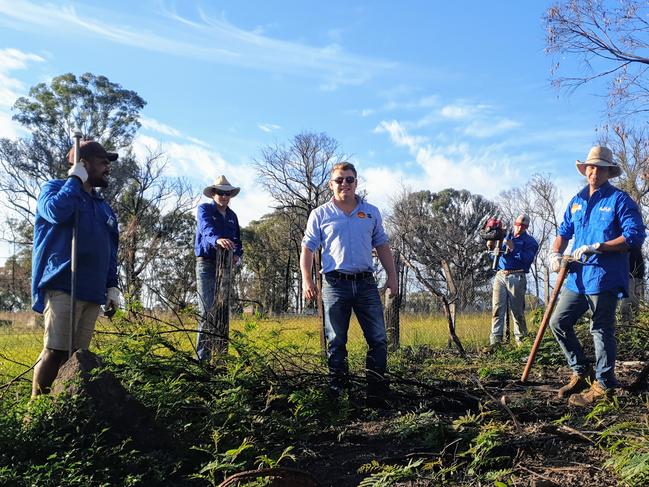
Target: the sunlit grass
pixel 20 344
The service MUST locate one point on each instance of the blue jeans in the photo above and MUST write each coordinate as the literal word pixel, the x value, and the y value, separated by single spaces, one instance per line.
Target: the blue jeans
pixel 569 309
pixel 339 298
pixel 205 284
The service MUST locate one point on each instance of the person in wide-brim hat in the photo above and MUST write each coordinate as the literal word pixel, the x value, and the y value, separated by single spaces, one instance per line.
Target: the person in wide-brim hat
pixel 221 184
pixel 600 156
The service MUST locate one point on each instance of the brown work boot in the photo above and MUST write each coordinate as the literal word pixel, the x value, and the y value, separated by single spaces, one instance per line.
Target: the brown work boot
pixel 577 384
pixel 593 395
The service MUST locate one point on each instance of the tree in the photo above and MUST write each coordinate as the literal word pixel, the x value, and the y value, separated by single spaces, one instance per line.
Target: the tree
pixel 101 109
pixel 538 199
pixel 296 176
pixel 610 41
pixel 153 211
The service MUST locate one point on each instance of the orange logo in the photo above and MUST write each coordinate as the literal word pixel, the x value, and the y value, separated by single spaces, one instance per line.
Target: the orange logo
pixel 361 214
pixel 575 207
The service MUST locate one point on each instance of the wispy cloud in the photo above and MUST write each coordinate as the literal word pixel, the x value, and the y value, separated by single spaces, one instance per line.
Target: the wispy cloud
pixel 483 129
pixel 399 134
pixel 268 127
pixel 13 60
pixel 159 127
pixel 208 38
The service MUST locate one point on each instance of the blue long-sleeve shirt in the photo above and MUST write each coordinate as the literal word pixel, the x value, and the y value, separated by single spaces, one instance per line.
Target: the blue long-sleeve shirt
pixel 525 248
pixel 97 242
pixel 607 214
pixel 211 225
pixel 346 240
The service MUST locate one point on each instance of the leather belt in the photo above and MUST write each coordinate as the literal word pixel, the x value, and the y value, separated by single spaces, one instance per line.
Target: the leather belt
pixel 349 277
pixel 513 271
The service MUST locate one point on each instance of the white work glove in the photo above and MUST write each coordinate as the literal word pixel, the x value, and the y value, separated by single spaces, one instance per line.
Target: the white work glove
pixel 555 261
pixel 79 170
pixel 112 298
pixel 585 249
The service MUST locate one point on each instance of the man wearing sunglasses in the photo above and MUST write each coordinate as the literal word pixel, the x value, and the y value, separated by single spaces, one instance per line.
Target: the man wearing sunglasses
pixel 510 283
pixel 217 226
pixel 347 228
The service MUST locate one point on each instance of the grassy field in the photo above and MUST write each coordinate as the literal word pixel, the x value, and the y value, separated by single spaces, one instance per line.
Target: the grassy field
pixel 21 343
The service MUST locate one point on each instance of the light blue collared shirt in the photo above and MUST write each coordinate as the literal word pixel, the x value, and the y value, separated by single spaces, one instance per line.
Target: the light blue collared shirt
pixel 346 240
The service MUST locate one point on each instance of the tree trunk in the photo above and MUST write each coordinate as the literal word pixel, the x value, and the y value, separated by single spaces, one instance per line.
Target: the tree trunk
pixel 391 312
pixel 218 316
pixel 318 280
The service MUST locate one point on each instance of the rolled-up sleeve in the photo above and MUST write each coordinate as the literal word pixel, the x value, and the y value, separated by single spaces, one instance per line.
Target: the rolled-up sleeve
pixel 633 230
pixel 312 236
pixel 379 237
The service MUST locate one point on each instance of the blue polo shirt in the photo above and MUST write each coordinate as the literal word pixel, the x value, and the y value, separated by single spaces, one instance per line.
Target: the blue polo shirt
pixel 607 214
pixel 346 240
pixel 525 248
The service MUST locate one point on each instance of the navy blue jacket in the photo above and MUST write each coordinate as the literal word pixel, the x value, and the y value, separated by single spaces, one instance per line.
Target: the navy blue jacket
pixel 211 226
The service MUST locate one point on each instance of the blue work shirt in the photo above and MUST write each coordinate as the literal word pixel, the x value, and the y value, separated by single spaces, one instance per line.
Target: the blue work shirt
pixel 346 240
pixel 525 248
pixel 607 214
pixel 97 241
pixel 212 225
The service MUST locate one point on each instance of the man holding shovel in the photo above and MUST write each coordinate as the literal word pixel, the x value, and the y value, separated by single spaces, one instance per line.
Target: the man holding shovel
pixel 604 222
pixel 96 258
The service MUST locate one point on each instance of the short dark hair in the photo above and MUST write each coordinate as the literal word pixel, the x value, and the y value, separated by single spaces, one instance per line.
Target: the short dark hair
pixel 344 166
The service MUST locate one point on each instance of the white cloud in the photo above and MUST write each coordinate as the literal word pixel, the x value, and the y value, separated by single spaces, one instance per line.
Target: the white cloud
pixel 13 60
pixel 268 127
pixel 159 127
pixel 399 135
pixel 456 111
pixel 209 39
pixel 201 166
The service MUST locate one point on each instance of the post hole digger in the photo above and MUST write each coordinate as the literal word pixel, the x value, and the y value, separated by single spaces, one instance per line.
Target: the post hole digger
pixel 566 261
pixel 494 233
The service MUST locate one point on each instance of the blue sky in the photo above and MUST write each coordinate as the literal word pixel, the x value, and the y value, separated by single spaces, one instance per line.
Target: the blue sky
pixel 423 94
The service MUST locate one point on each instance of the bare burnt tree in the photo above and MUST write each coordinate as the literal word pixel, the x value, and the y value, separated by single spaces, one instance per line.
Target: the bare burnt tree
pixel 296 175
pixel 538 199
pixel 609 41
pixel 630 146
pixel 151 209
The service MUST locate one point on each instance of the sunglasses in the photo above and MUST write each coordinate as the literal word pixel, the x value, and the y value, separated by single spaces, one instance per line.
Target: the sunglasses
pixel 222 193
pixel 348 180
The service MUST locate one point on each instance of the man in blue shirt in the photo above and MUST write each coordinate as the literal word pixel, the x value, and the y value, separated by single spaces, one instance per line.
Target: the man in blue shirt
pixel 510 284
pixel 97 240
pixel 348 228
pixel 604 222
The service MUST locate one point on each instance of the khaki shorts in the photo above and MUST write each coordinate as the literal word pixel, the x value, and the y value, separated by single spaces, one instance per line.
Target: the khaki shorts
pixel 57 321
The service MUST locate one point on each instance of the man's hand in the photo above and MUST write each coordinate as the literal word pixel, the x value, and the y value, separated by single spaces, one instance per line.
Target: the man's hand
pixel 555 261
pixel 393 287
pixel 112 301
pixel 510 245
pixel 226 243
pixel 309 290
pixel 585 249
pixel 79 170
pixel 491 244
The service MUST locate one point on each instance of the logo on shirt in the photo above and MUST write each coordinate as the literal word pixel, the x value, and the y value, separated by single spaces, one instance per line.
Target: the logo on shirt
pixel 231 221
pixel 361 214
pixel 607 209
pixel 110 222
pixel 575 207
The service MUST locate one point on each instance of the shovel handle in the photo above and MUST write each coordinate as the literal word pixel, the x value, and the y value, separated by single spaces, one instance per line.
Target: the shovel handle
pixel 563 272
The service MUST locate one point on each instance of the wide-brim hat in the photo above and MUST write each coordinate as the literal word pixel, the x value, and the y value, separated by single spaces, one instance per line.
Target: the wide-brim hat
pixel 222 184
pixel 600 156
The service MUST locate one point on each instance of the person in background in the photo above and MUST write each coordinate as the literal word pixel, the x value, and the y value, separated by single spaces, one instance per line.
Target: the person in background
pixel 217 227
pixel 510 284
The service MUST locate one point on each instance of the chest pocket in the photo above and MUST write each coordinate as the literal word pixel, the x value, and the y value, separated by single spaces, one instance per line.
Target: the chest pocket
pixel 608 224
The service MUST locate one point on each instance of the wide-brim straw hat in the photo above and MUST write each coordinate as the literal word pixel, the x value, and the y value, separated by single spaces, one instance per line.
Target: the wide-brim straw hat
pixel 600 156
pixel 223 184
